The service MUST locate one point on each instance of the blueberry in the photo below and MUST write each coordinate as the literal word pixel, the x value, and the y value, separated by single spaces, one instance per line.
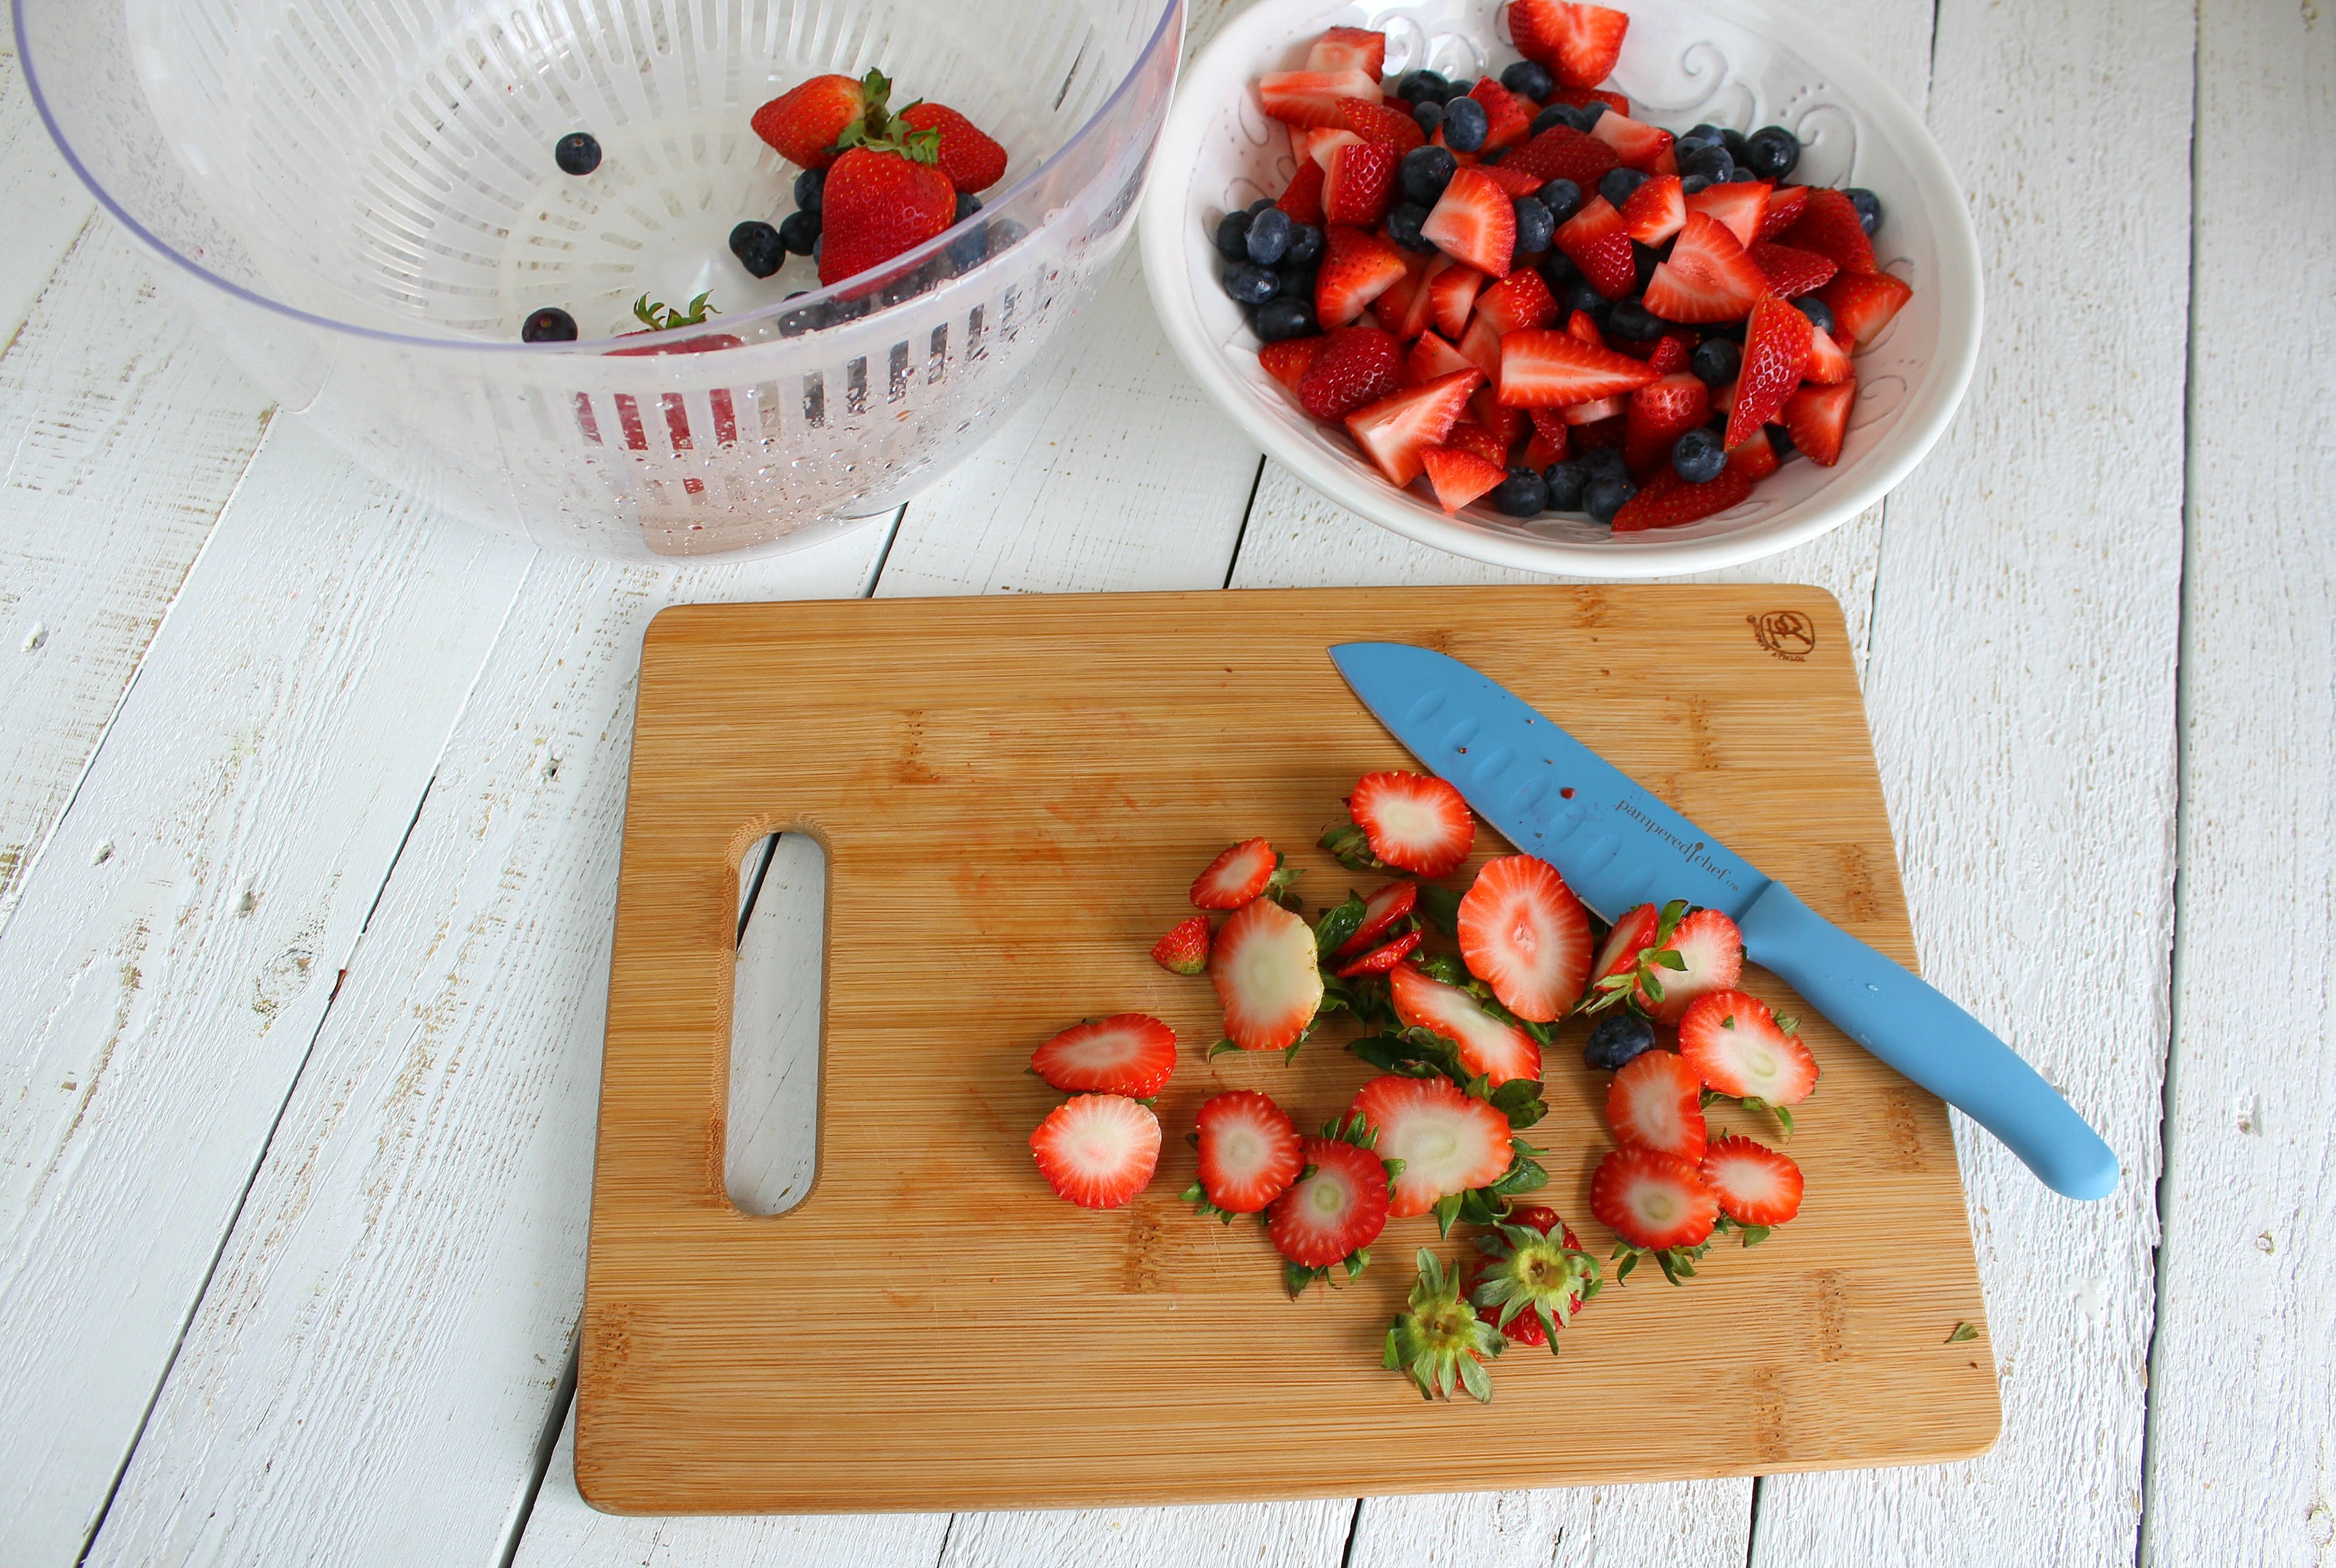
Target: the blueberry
pixel 578 153
pixel 1268 236
pixel 1280 318
pixel 1733 331
pixel 1634 321
pixel 1712 163
pixel 1771 152
pixel 967 249
pixel 809 185
pixel 1522 495
pixel 1581 295
pixel 1743 176
pixel 1453 89
pixel 1716 362
pixel 803 320
pixel 1620 1038
pixel 1561 196
pixel 1232 237
pixel 1780 442
pixel 1602 498
pixel 1259 206
pixel 1818 311
pixel 1466 125
pixel 1251 283
pixel 758 247
pixel 1529 79
pixel 1403 225
pixel 968 204
pixel 1698 457
pixel 1590 113
pixel 1617 184
pixel 1735 141
pixel 1535 224
pixel 1868 205
pixel 1644 260
pixel 1426 171
pixel 799 231
pixel 549 324
pixel 1559 271
pixel 1428 117
pixel 1304 246
pixel 1422 87
pixel 1606 463
pixel 1295 285
pixel 817 242
pixel 1556 114
pixel 1565 481
pixel 1695 139
pixel 1691 183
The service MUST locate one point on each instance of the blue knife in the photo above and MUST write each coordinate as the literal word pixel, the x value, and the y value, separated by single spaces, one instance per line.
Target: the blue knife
pixel 1618 846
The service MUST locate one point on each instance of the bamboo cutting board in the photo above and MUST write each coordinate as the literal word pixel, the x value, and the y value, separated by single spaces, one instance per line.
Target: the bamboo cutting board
pixel 1014 794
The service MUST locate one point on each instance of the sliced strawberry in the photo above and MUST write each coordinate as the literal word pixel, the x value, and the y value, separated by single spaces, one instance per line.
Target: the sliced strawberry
pixel 1828 363
pixel 1515 181
pixel 1652 1200
pixel 1562 152
pixel 1829 225
pixel 1250 1151
pixel 1350 49
pixel 1707 276
pixel 1632 932
pixel 1656 1102
pixel 1582 327
pixel 1481 347
pixel 1287 361
pixel 1264 971
pixel 1817 418
pixel 1654 210
pixel 1756 459
pixel 1459 476
pixel 1775 349
pixel 1097 1150
pixel 1303 199
pixel 1508 118
pixel 1535 1285
pixel 1414 822
pixel 1357 365
pixel 1129 1054
pixel 1578 43
pixel 1394 431
pixel 1753 1184
pixel 1470 436
pixel 1185 950
pixel 1712 949
pixel 1792 272
pixel 1667 501
pixel 1524 933
pixel 1783 208
pixel 1429 358
pixel 1599 244
pixel 1475 221
pixel 1659 412
pixel 1604 410
pixel 1448 1141
pixel 1862 304
pixel 1731 1041
pixel 1736 208
pixel 1638 144
pixel 1381 123
pixel 1519 300
pixel 1310 98
pixel 1403 309
pixel 1334 1214
pixel 1357 267
pixel 1451 296
pixel 1380 959
pixel 1357 181
pixel 1500 1051
pixel 1671 353
pixel 1541 369
pixel 1238 874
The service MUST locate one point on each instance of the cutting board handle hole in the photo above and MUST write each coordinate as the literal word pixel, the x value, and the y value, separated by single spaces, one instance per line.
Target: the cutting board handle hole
pixel 771 1132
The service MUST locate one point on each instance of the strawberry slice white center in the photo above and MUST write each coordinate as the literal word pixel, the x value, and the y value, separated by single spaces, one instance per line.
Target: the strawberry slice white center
pixel 1485 1044
pixel 1266 977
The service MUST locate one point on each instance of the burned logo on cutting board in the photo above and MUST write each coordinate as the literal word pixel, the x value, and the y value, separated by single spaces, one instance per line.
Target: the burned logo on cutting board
pixel 1787 633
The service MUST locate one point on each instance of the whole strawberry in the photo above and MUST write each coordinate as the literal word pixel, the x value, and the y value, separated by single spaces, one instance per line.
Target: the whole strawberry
pixel 971 160
pixel 805 122
pixel 880 200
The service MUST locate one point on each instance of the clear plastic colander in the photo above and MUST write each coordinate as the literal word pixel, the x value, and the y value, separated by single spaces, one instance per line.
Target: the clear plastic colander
pixel 358 198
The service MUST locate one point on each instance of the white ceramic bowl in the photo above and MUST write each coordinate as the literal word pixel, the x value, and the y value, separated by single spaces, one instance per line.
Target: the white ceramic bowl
pixel 1736 63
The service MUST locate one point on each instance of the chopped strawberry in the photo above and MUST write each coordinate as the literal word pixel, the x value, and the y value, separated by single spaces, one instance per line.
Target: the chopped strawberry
pixel 1707 276
pixel 1862 304
pixel 1633 933
pixel 1659 412
pixel 1519 300
pixel 1380 959
pixel 1097 1150
pixel 1357 267
pixel 1185 950
pixel 1357 181
pixel 1350 49
pixel 1708 942
pixel 1458 475
pixel 1753 1184
pixel 1310 98
pixel 1817 418
pixel 1756 459
pixel 973 161
pixel 1471 436
pixel 1656 1102
pixel 1451 296
pixel 1783 208
pixel 1556 369
pixel 1736 208
pixel 1792 272
pixel 1515 181
pixel 1508 425
pixel 1638 144
pixel 1394 431
pixel 1667 501
pixel 1414 822
pixel 1562 152
pixel 1264 971
pixel 1549 424
pixel 1500 1051
pixel 1828 363
pixel 803 122
pixel 1775 349
pixel 1241 874
pixel 1481 346
pixel 1357 365
pixel 1448 1141
pixel 1541 452
pixel 1524 933
pixel 1287 361
pixel 1249 1152
pixel 1475 221
pixel 1652 1200
pixel 1583 97
pixel 1671 353
pixel 1129 1054
pixel 1578 43
pixel 1508 118
pixel 1654 210
pixel 1602 412
pixel 1380 123
pixel 1829 225
pixel 1599 244
pixel 1533 1275
pixel 1327 1217
pixel 1583 327
pixel 1405 297
pixel 1731 1041
pixel 1303 199
pixel 1429 358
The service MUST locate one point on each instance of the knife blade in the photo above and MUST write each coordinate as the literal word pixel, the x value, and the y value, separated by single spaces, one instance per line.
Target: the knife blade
pixel 1618 846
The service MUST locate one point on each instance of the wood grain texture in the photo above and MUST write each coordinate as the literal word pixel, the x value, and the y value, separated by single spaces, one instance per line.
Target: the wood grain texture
pixel 2022 689
pixel 2242 1381
pixel 1081 741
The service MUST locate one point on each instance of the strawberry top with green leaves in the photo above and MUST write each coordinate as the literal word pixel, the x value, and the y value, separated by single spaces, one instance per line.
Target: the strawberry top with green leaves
pixel 1237 875
pixel 1732 1042
pixel 1532 1276
pixel 1130 1054
pixel 1098 1150
pixel 1438 1340
pixel 1248 1151
pixel 1652 1200
pixel 1448 1141
pixel 1753 1184
pixel 1656 1102
pixel 1524 933
pixel 1497 1050
pixel 880 199
pixel 1326 1218
pixel 1414 822
pixel 1263 967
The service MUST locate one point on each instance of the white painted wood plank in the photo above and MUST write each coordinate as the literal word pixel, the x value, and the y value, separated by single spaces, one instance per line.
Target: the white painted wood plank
pixel 771 1135
pixel 46 206
pixel 2242 1380
pixel 159 994
pixel 1232 1536
pixel 2021 691
pixel 1665 1526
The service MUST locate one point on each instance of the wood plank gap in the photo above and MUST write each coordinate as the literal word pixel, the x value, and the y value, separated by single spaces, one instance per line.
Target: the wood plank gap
pixel 554 1421
pixel 1355 1519
pixel 1234 564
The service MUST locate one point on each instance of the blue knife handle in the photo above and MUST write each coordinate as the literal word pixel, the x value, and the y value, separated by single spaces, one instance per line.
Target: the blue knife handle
pixel 1910 1025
